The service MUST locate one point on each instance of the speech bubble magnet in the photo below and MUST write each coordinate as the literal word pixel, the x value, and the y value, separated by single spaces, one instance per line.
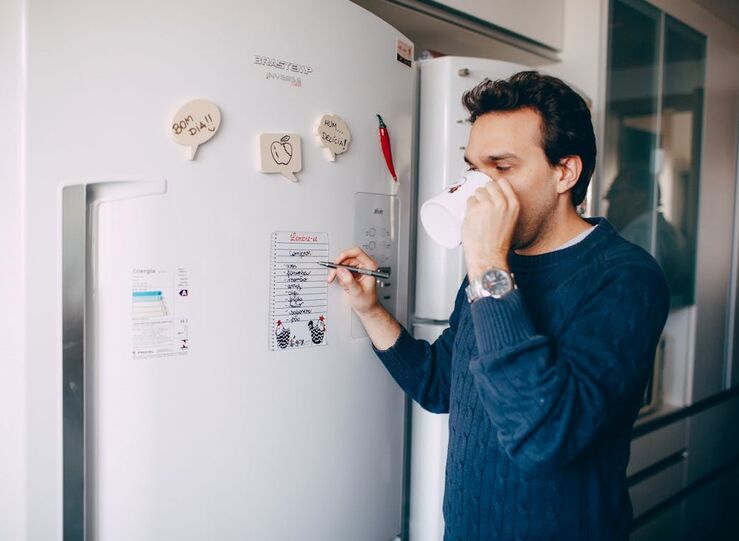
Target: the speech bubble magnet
pixel 334 134
pixel 195 123
pixel 280 153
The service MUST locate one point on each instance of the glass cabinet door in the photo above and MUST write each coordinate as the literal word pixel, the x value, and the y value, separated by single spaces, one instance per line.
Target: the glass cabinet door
pixel 632 121
pixel 651 151
pixel 680 144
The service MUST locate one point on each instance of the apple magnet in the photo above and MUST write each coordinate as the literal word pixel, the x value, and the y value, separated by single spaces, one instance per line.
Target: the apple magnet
pixel 280 153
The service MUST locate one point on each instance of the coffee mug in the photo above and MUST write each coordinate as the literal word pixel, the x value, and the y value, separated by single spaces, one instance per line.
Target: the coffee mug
pixel 442 215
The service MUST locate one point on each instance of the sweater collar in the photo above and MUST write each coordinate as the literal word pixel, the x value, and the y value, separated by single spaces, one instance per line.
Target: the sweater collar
pixel 603 229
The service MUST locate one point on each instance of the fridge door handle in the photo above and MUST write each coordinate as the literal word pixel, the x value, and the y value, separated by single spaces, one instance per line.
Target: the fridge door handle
pixel 80 203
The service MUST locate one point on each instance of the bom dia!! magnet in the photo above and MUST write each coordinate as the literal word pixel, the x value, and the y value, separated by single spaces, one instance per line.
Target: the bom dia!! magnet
pixel 195 123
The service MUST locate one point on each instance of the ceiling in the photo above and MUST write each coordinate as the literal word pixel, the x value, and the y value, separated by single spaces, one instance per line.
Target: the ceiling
pixel 726 10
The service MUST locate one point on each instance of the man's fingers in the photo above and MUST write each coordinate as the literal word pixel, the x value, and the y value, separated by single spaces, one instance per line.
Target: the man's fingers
pixel 348 283
pixel 507 190
pixel 351 261
pixel 495 192
pixel 366 262
pixel 357 258
pixel 488 193
pixel 351 252
pixel 481 194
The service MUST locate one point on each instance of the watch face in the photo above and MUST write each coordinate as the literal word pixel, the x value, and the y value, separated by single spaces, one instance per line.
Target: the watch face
pixel 496 282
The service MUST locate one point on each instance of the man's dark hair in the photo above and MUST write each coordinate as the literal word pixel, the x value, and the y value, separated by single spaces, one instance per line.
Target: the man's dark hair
pixel 566 127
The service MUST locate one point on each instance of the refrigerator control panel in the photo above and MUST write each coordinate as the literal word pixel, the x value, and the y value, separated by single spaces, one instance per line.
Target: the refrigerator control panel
pixel 376 219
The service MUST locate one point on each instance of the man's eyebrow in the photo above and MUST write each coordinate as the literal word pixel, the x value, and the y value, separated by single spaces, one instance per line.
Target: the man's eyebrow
pixel 499 157
pixel 496 157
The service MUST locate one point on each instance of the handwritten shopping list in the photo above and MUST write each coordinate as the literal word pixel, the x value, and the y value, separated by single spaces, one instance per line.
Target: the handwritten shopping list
pixel 299 293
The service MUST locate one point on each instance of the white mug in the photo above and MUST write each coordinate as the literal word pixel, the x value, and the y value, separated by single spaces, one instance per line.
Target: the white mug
pixel 442 215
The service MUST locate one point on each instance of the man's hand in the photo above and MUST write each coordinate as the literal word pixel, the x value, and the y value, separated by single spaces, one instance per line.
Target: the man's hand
pixel 487 230
pixel 361 290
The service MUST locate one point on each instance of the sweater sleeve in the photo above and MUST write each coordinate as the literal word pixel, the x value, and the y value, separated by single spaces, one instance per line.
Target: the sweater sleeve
pixel 423 370
pixel 549 399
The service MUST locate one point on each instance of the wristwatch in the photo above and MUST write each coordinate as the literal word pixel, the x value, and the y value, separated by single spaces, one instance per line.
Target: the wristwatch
pixel 495 283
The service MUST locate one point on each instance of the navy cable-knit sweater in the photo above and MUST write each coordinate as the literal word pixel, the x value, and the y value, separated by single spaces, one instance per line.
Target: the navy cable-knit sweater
pixel 542 388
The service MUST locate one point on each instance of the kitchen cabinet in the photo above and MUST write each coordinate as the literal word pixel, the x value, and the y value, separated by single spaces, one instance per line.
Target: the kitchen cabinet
pixel 515 16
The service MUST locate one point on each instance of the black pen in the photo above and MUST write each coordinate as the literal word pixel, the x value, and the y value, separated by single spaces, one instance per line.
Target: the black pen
pixel 376 274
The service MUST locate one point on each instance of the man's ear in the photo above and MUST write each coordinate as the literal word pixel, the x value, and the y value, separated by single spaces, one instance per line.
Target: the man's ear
pixel 569 169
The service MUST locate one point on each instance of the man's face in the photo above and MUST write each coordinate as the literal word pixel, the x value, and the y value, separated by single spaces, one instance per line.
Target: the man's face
pixel 508 144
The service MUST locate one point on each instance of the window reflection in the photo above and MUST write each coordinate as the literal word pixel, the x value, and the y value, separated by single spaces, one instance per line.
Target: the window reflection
pixel 630 210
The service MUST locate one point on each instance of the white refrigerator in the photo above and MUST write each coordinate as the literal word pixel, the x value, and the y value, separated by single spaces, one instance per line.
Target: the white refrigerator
pixel 191 375
pixel 442 136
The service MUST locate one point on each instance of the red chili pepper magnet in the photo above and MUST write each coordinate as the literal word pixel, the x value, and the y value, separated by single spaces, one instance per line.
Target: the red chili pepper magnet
pixel 386 150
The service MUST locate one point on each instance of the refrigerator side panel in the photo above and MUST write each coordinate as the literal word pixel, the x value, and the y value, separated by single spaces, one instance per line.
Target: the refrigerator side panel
pixel 443 134
pixel 439 164
pixel 429 440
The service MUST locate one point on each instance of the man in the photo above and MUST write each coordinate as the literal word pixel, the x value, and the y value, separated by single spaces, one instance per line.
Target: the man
pixel 553 333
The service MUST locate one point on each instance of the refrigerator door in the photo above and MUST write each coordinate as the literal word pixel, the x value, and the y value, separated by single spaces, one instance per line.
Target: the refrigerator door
pixel 195 428
pixel 443 133
pixel 429 440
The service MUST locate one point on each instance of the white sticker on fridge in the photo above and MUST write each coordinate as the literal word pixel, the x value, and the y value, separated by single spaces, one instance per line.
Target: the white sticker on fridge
pixel 160 312
pixel 298 290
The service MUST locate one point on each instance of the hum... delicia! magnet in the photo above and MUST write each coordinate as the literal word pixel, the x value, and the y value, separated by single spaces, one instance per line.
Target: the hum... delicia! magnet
pixel 334 134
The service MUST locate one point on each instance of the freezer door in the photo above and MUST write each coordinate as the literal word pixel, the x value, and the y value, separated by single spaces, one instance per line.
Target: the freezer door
pixel 195 428
pixel 442 139
pixel 429 440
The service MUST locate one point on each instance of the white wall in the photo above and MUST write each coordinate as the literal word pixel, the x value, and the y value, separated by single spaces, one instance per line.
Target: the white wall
pixel 583 63
pixel 580 63
pixel 12 394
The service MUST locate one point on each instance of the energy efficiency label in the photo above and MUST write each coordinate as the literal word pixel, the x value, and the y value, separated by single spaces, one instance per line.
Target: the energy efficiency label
pixel 160 312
